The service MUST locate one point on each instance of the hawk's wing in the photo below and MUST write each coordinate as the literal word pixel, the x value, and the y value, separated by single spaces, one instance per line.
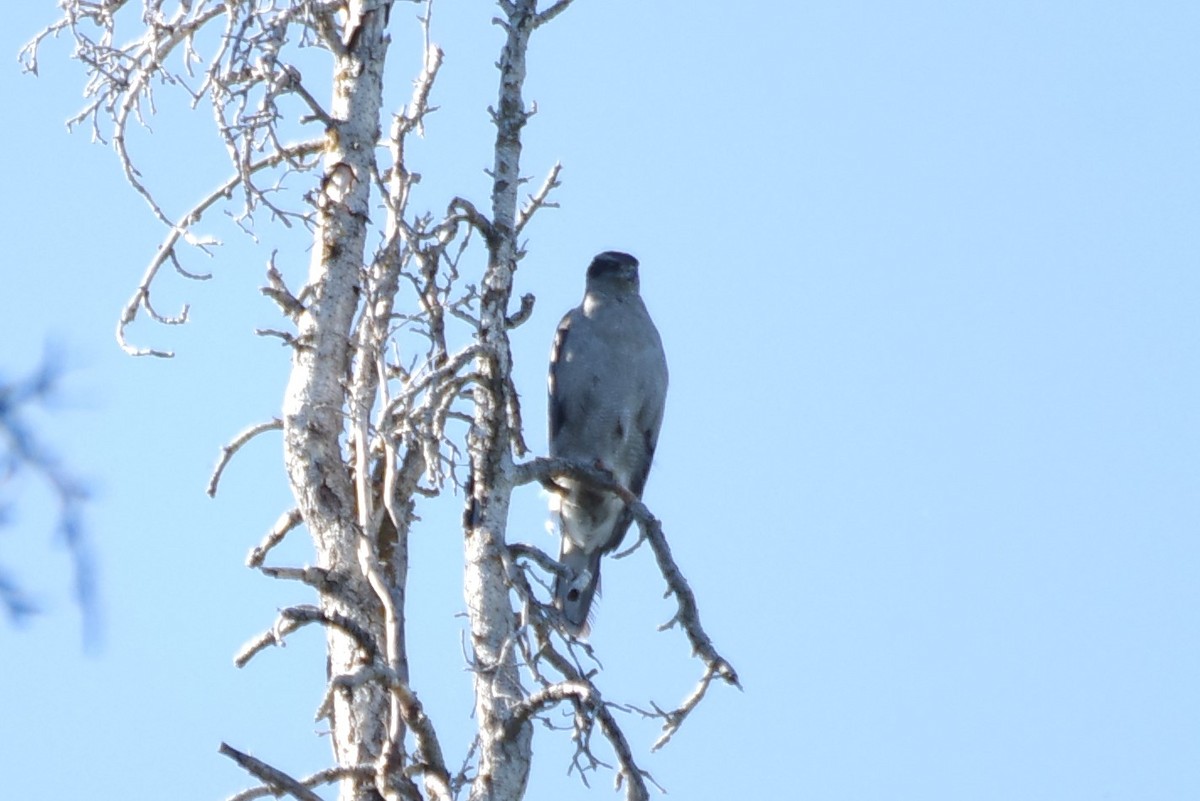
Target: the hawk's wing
pixel 558 411
pixel 607 390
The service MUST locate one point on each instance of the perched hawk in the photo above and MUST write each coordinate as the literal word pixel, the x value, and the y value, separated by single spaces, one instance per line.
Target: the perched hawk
pixel 608 385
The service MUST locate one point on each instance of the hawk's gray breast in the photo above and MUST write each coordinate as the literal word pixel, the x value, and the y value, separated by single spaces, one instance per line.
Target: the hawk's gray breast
pixel 608 386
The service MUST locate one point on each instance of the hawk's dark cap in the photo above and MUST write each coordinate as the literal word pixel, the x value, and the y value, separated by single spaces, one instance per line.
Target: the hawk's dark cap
pixel 612 261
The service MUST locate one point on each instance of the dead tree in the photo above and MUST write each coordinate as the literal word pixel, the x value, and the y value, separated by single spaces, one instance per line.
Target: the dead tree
pixel 401 371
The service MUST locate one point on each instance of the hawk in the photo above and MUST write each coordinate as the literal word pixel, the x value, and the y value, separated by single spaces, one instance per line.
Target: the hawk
pixel 608 387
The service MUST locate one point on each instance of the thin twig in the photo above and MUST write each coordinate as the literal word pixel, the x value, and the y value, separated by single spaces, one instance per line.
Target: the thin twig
pixel 538 199
pixel 227 452
pixel 166 251
pixel 295 617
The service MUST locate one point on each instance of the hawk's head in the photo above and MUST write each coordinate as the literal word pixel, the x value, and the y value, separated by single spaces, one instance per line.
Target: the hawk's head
pixel 613 271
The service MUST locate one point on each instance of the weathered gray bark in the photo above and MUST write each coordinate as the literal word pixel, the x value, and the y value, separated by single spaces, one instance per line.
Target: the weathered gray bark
pixel 365 432
pixel 505 751
pixel 315 402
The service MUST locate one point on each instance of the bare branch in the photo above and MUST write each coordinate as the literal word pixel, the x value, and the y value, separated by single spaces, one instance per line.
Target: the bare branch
pixel 629 772
pixel 285 337
pixel 674 719
pixel 523 313
pixel 538 199
pixel 544 560
pixel 464 209
pixel 545 470
pixel 327 776
pixel 687 615
pixel 277 291
pixel 418 107
pixel 295 617
pixel 179 230
pixel 512 408
pixel 144 61
pixel 551 12
pixel 316 577
pixel 28 55
pixel 233 447
pixel 286 522
pixel 578 692
pixel 272 777
pixel 430 762
pixel 590 708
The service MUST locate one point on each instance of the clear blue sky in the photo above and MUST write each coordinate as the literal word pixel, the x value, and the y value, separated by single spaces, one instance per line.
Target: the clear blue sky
pixel 928 276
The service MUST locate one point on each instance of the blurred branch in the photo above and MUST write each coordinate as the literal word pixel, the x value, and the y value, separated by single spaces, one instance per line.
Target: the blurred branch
pixel 22 451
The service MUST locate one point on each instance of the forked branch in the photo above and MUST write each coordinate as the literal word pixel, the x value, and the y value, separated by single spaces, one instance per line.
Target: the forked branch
pixel 180 230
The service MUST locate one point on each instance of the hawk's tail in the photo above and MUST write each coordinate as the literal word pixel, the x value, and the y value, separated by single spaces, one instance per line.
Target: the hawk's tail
pixel 574 591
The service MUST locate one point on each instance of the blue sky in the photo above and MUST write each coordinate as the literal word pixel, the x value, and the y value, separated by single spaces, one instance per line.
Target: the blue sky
pixel 928 277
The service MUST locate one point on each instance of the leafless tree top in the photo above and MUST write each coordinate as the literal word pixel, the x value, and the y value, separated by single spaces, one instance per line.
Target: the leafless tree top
pixel 401 379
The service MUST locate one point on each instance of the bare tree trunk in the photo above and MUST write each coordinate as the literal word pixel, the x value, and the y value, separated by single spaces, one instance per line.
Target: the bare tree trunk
pixel 316 395
pixel 505 746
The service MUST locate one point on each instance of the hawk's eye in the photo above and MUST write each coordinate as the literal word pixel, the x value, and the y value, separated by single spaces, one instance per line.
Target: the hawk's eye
pixel 573 595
